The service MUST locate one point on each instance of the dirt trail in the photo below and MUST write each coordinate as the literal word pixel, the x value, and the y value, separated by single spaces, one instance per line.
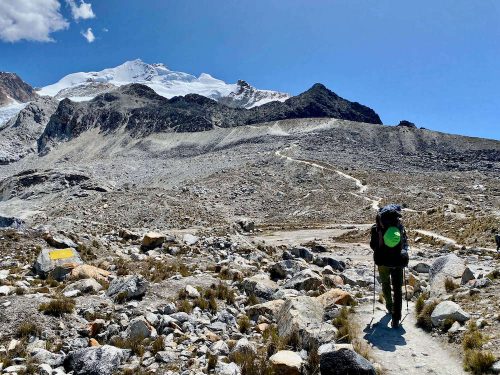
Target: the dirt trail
pixel 407 350
pixel 375 203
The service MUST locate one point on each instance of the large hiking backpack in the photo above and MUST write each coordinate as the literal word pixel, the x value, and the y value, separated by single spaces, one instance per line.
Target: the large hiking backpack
pixel 389 238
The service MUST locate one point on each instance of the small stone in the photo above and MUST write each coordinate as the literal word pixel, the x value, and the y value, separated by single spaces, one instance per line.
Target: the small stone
pixel 192 292
pixel 286 362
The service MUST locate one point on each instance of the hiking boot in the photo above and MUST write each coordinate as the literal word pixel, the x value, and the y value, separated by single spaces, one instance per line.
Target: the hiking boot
pixel 395 323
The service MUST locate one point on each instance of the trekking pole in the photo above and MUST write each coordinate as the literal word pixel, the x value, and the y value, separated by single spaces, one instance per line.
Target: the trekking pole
pixel 373 311
pixel 406 295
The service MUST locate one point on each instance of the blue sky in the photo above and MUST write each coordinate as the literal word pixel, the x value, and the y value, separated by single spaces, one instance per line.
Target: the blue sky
pixel 436 63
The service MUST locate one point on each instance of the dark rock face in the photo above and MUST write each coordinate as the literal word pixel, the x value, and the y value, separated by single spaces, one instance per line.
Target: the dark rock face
pixel 407 124
pixel 345 362
pixel 141 111
pixel 12 86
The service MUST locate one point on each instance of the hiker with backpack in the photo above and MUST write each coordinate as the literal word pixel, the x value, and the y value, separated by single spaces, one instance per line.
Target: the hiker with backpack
pixel 390 253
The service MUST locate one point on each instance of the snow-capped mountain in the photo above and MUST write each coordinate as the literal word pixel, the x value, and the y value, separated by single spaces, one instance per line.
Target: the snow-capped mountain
pixel 85 86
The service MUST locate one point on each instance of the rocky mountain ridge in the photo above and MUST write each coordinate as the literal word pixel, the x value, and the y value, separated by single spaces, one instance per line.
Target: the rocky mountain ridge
pixel 14 89
pixel 140 111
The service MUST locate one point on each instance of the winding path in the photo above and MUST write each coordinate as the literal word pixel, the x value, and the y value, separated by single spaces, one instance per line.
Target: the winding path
pixel 375 203
pixel 407 350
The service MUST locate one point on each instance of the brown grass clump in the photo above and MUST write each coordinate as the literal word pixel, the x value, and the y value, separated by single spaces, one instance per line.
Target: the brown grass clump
pixel 450 285
pixel 244 324
pixel 473 338
pixel 343 325
pixel 184 306
pixel 58 306
pixel 420 303
pixel 424 318
pixel 27 329
pixel 158 345
pixel 135 345
pixel 478 361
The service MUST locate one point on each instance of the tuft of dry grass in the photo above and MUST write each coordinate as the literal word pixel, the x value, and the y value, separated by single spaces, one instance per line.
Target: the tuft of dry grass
pixel 244 324
pixel 424 318
pixel 450 285
pixel 58 306
pixel 27 329
pixel 473 338
pixel 135 345
pixel 478 361
pixel 158 345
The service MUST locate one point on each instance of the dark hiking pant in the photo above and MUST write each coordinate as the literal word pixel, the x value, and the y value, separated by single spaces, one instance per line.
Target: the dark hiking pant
pixel 392 276
pixel 497 239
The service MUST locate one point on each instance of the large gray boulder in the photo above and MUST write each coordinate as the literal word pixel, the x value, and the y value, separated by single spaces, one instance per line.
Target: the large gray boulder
pixel 140 328
pixel 286 362
pixel 301 318
pixel 152 240
pixel 345 362
pixel 448 310
pixel 285 268
pixel 304 280
pixel 448 266
pixel 57 263
pixel 324 260
pixel 84 286
pixel 302 252
pixel 128 287
pixel 103 360
pixel 261 286
pixel 59 241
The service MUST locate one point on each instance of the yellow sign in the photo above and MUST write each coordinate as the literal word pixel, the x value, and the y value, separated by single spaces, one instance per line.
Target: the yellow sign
pixel 61 254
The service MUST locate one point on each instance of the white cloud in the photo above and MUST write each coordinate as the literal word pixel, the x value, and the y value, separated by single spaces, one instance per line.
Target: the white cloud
pixel 83 11
pixel 89 35
pixel 30 20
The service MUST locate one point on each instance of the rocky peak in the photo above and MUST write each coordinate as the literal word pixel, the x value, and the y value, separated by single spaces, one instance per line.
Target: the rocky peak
pixel 12 87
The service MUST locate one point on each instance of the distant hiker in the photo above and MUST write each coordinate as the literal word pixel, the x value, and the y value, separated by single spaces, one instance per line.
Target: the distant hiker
pixel 390 253
pixel 497 240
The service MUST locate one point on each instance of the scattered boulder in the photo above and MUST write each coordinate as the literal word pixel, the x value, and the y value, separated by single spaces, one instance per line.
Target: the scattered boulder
pixel 59 241
pixel 447 266
pixel 86 271
pixel 422 267
pixel 140 328
pixel 302 252
pixel 246 225
pixel 448 310
pixel 329 260
pixel 304 280
pixel 285 268
pixel 103 360
pixel 407 124
pixel 345 361
pixel 335 297
pixel 261 286
pixel 152 240
pixel 39 355
pixel 190 239
pixel 128 235
pixel 268 309
pixel 84 286
pixel 227 369
pixel 192 292
pixel 56 263
pixel 244 347
pixel 286 362
pixel 128 287
pixel 11 222
pixel 302 318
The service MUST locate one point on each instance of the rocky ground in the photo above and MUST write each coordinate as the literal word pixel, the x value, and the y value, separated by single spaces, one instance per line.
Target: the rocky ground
pixel 244 251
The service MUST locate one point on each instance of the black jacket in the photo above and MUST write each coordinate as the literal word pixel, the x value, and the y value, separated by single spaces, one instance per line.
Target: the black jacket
pixel 386 256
